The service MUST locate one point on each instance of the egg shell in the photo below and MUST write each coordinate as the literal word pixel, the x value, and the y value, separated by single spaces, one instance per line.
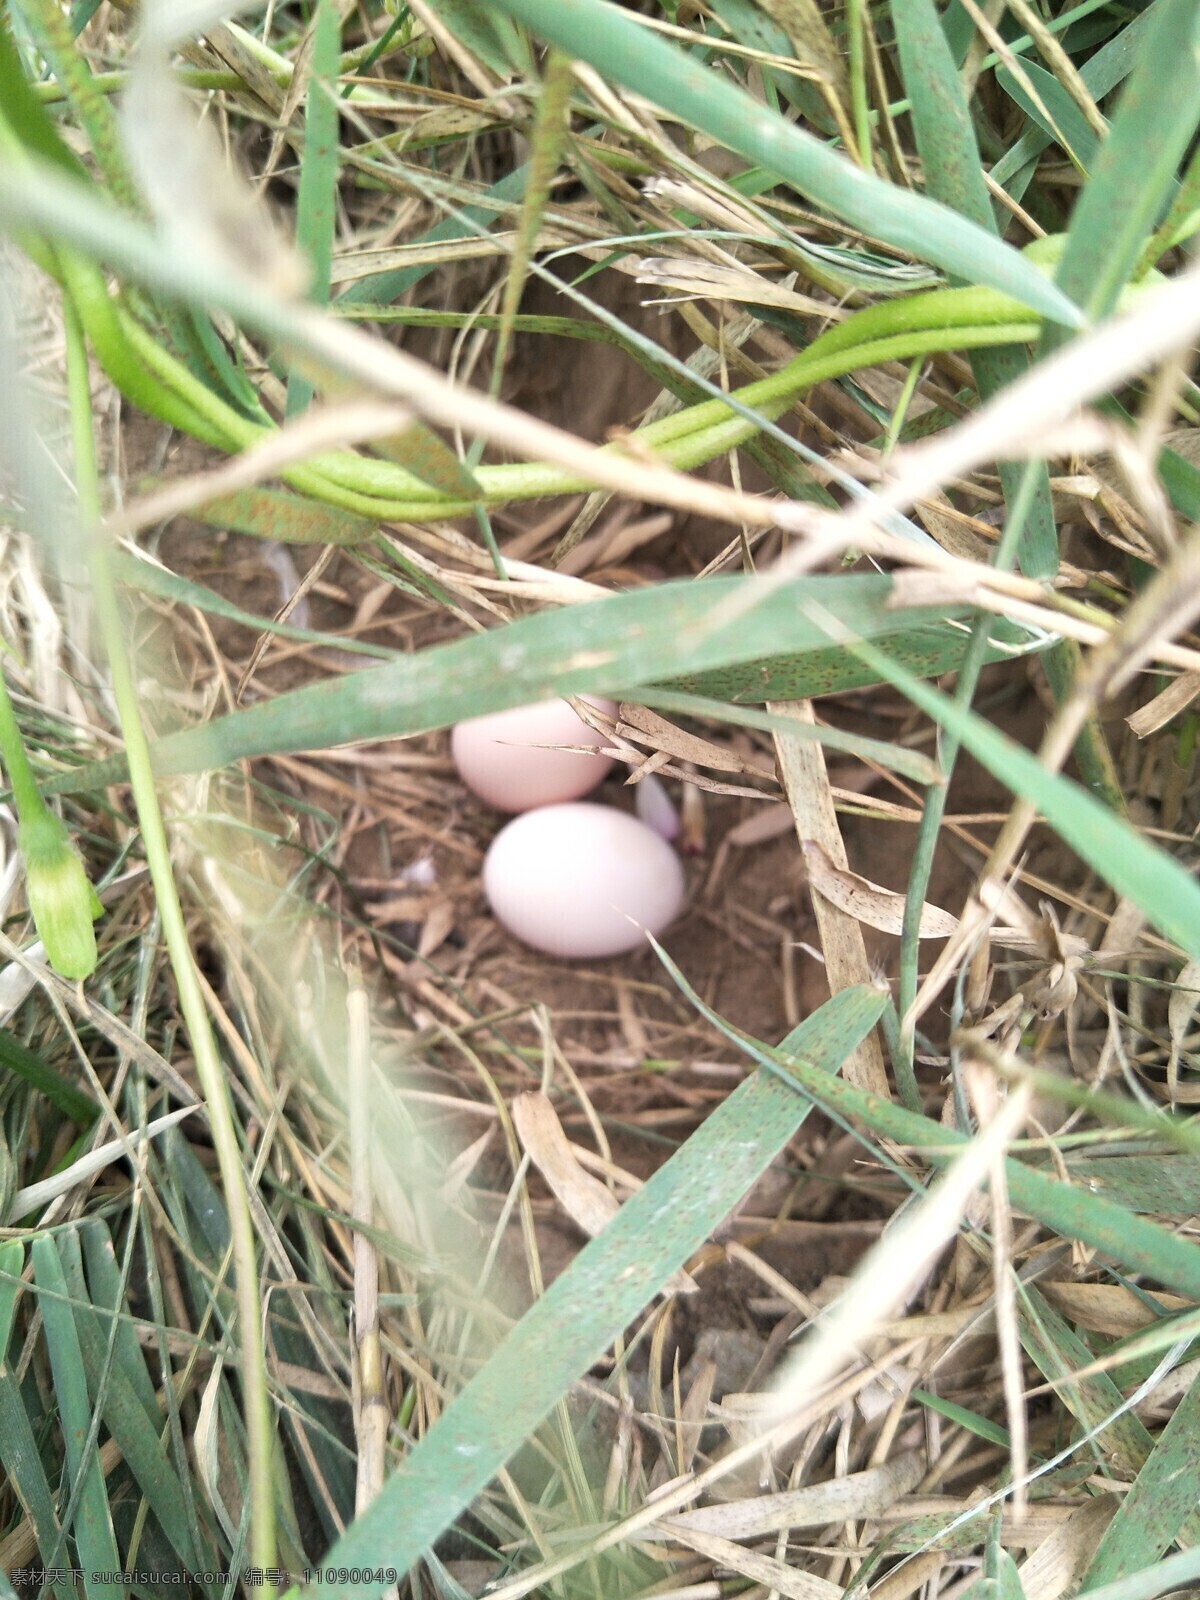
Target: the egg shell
pixel 568 880
pixel 502 759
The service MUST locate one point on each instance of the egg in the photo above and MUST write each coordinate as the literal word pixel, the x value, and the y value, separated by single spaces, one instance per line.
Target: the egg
pixel 504 760
pixel 582 881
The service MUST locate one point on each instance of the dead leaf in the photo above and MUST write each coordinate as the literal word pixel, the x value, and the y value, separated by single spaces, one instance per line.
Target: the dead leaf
pixel 585 1199
pixel 954 530
pixel 805 778
pixel 859 1495
pixel 1181 1009
pixel 1058 1564
pixel 438 925
pixel 765 1571
pixel 1108 1308
pixel 811 40
pixel 712 280
pixel 647 727
pixel 771 822
pixel 1156 713
pixel 868 902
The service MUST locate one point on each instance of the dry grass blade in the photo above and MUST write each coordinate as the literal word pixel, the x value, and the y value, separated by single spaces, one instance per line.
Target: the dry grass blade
pixel 806 784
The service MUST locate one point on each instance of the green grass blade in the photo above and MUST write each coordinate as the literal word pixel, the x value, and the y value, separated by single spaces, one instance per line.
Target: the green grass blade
pixel 1161 1185
pixel 492 38
pixel 19 1456
pixel 382 288
pixel 266 513
pixel 51 31
pixel 316 198
pixel 1059 1353
pixel 1101 74
pixel 896 758
pixel 148 578
pixel 1071 1212
pixel 92 1527
pixel 118 1400
pixel 630 640
pixel 416 448
pixel 1135 169
pixel 602 34
pixel 1182 222
pixel 593 1301
pixel 1058 116
pixel 551 124
pixel 12 1260
pixel 109 1291
pixel 1135 868
pixel 419 450
pixel 970 1420
pixel 18 1059
pixel 1001 1569
pixel 1159 1501
pixel 953 174
pixel 1171 1574
pixel 750 25
pixel 23 1466
pixel 25 114
pixel 940 118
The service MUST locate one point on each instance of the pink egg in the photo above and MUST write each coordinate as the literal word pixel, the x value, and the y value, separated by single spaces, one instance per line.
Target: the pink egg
pixel 582 881
pixel 505 759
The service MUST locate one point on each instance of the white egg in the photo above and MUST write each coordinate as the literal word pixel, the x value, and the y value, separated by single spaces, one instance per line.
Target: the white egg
pixel 582 881
pixel 504 759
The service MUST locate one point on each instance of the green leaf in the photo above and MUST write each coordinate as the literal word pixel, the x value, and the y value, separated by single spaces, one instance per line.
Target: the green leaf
pixel 148 578
pixel 940 118
pixel 1008 1578
pixel 315 200
pixel 1171 1574
pixel 52 34
pixel 419 450
pixel 1181 223
pixel 1161 1185
pixel 492 38
pixel 382 288
pixel 749 25
pixel 1100 75
pixel 594 1300
pixel 920 768
pixel 109 1291
pixel 970 1420
pixel 116 1397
